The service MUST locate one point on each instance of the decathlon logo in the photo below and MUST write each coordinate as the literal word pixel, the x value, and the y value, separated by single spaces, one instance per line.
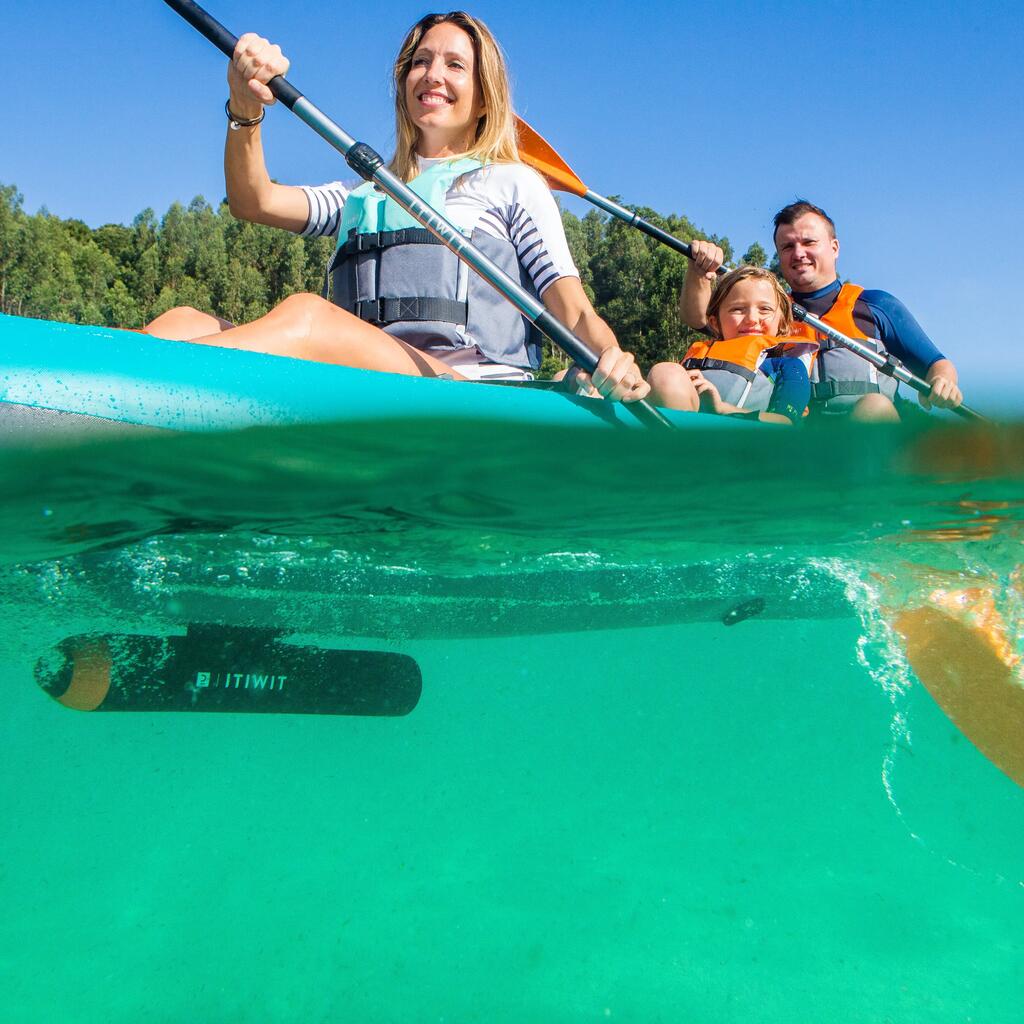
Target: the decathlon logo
pixel 238 681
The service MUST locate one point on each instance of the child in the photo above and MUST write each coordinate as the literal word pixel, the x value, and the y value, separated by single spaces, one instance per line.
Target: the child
pixel 749 366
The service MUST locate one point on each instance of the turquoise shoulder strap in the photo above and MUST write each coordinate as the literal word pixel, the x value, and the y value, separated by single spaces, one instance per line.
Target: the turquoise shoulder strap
pixel 368 210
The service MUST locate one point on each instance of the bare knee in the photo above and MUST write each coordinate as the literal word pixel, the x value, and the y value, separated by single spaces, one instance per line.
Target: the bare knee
pixel 671 387
pixel 875 408
pixel 305 302
pixel 184 323
pixel 304 309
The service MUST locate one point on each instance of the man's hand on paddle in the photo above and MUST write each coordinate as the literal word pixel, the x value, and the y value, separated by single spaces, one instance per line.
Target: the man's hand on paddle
pixel 616 377
pixel 256 62
pixel 945 394
pixel 707 257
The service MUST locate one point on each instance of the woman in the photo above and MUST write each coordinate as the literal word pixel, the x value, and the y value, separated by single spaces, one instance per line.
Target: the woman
pixel 748 367
pixel 456 145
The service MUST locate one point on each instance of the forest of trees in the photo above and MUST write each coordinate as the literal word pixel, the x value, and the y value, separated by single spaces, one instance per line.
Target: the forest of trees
pixel 123 276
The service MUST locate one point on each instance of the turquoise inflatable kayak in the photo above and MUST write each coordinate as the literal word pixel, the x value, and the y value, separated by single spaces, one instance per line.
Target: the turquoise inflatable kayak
pixel 111 376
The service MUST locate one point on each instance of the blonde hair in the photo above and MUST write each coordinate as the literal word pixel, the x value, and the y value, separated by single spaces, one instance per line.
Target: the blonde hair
pixel 746 273
pixel 496 130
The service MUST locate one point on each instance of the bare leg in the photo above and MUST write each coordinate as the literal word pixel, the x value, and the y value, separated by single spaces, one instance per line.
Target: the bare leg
pixel 308 327
pixel 875 409
pixel 672 388
pixel 183 323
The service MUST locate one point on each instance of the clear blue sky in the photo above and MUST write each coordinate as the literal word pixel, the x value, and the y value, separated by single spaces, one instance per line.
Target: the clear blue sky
pixel 904 120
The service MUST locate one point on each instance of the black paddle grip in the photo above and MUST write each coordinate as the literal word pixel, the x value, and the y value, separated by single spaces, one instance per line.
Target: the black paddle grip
pixel 225 41
pixel 205 23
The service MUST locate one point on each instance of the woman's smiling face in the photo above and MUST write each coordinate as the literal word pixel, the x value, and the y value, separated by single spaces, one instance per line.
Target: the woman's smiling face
pixel 751 307
pixel 442 94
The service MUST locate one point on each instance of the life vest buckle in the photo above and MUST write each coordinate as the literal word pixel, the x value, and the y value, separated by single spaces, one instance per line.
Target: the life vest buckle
pixel 367 242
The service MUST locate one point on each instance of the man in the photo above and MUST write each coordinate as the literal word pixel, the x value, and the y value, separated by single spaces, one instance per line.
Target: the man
pixel 842 382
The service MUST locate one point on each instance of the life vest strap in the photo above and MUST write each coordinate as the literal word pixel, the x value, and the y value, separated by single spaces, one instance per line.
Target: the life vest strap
pixel 720 364
pixel 822 391
pixel 374 241
pixel 391 310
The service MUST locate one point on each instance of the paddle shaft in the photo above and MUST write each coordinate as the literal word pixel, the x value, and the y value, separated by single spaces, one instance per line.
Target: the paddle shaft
pixel 369 165
pixel 636 221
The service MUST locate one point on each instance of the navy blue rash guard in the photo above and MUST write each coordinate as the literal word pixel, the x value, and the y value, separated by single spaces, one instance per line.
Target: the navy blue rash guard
pixel 881 315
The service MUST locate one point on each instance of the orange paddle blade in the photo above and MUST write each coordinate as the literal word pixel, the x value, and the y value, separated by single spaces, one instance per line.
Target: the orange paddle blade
pixel 973 681
pixel 536 151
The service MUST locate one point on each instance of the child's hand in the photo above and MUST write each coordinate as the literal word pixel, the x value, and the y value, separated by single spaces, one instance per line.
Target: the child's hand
pixel 710 399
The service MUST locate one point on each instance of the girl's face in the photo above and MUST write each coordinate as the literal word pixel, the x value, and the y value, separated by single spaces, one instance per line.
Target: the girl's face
pixel 442 94
pixel 751 307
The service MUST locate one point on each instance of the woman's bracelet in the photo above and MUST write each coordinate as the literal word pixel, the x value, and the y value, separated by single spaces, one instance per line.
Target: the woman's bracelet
pixel 235 122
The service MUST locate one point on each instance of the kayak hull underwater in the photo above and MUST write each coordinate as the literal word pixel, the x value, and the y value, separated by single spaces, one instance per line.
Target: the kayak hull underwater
pixel 66 379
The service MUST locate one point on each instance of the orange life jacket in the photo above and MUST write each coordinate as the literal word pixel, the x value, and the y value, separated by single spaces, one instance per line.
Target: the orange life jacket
pixel 839 316
pixel 733 366
pixel 839 377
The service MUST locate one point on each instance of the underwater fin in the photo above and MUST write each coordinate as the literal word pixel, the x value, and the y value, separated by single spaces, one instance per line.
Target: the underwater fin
pixel 222 668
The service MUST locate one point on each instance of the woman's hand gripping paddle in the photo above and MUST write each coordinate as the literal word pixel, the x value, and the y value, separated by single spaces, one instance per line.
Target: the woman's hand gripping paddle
pixel 369 165
pixel 536 151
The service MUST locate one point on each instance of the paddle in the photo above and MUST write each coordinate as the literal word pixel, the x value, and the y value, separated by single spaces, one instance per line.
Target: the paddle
pixel 536 151
pixel 369 165
pixel 977 688
pixel 227 668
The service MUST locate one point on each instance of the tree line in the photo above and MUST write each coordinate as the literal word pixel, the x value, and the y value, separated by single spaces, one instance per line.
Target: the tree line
pixel 125 275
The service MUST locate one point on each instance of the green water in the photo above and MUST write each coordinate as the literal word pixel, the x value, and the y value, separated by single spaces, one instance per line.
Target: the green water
pixel 678 821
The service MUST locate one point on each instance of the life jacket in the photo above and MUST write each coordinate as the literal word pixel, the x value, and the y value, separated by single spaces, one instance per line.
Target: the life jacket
pixel 733 366
pixel 839 378
pixel 393 273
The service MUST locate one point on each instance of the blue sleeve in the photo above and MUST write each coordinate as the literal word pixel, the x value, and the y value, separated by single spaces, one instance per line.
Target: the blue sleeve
pixel 792 386
pixel 901 334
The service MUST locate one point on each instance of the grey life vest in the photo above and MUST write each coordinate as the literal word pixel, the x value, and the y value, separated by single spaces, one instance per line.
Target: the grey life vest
pixel 390 272
pixel 839 378
pixel 746 389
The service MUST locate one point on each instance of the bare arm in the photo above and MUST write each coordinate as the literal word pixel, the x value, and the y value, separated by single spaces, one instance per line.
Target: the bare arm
pixel 251 194
pixel 697 285
pixel 616 377
pixel 567 300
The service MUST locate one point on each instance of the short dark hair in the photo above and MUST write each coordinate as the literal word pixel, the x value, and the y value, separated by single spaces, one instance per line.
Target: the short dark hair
pixel 788 214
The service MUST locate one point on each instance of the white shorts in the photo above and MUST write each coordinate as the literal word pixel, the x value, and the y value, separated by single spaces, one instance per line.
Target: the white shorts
pixel 474 365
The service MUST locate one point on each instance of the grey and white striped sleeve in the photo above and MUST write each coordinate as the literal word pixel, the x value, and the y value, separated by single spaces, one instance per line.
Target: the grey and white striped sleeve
pixel 533 252
pixel 544 256
pixel 531 220
pixel 325 205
